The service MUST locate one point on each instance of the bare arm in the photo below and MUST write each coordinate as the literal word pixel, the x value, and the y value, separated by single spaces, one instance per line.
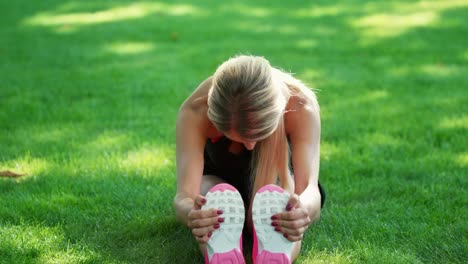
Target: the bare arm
pixel 305 140
pixel 192 124
pixel 189 161
pixel 304 205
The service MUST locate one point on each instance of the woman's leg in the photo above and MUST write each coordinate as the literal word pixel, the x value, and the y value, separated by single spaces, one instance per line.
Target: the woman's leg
pixel 209 181
pixel 296 250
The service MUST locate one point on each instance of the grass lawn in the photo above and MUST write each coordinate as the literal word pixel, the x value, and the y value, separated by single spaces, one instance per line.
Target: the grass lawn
pixel 89 93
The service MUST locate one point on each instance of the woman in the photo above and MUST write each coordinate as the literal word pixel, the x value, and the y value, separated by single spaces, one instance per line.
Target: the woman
pixel 247 125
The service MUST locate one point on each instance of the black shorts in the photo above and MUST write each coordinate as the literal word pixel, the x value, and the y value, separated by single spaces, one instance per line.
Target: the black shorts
pixel 233 168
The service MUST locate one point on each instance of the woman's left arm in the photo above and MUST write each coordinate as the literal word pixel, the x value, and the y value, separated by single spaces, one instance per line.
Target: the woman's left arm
pixel 303 207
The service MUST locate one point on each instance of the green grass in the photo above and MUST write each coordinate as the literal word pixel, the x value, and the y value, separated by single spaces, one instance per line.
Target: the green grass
pixel 89 93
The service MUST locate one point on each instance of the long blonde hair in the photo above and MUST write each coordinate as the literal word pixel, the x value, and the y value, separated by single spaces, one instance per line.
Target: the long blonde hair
pixel 250 97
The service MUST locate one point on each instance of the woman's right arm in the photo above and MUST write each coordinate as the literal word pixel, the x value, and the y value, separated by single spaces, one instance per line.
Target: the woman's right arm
pixel 191 134
pixel 190 142
pixel 192 124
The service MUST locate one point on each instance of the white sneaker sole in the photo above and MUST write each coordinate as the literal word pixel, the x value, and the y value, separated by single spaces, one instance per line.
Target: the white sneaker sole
pixel 224 245
pixel 269 245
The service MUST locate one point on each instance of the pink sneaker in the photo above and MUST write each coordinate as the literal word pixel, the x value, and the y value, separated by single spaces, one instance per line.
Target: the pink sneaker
pixel 225 245
pixel 269 246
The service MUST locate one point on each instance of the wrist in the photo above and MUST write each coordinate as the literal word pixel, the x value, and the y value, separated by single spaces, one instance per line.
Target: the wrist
pixel 182 207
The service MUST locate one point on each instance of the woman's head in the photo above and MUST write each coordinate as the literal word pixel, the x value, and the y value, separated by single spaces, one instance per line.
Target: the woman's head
pixel 245 99
pixel 247 103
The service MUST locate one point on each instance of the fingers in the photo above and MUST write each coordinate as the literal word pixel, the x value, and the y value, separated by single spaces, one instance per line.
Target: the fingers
pixel 202 231
pixel 202 214
pixel 203 239
pixel 292 234
pixel 292 227
pixel 292 230
pixel 203 228
pixel 293 220
pixel 291 215
pixel 293 238
pixel 293 202
pixel 292 223
pixel 199 202
pixel 203 222
pixel 204 218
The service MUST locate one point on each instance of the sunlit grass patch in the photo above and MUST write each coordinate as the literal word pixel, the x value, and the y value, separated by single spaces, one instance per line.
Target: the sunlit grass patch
pixel 26 164
pixel 40 244
pixel 329 151
pixel 460 122
pixel 306 43
pixel 249 10
pixel 72 21
pixel 402 17
pixel 131 11
pixel 324 257
pixel 443 70
pixel 148 159
pixel 128 48
pixel 384 25
pixel 286 29
pixel 318 11
pixel 376 139
pixel 108 140
pixel 462 159
pixel 365 254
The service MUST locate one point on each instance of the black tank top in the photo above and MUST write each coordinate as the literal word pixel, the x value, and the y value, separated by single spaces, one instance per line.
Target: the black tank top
pixel 219 158
pixel 233 168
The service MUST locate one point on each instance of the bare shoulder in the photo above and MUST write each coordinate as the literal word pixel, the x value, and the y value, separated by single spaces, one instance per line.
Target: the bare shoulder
pixel 193 112
pixel 198 99
pixel 302 118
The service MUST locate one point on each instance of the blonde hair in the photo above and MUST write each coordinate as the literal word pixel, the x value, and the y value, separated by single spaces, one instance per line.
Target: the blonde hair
pixel 250 97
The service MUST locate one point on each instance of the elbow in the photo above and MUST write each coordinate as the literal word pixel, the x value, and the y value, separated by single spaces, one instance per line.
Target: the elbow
pixel 176 206
pixel 315 207
pixel 316 216
pixel 181 208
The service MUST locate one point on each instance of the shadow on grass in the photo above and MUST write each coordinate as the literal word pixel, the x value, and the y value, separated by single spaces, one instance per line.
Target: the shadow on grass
pixel 92 91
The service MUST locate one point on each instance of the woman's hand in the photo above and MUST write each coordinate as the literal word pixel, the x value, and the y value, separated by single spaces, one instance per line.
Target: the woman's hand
pixel 203 222
pixel 294 222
